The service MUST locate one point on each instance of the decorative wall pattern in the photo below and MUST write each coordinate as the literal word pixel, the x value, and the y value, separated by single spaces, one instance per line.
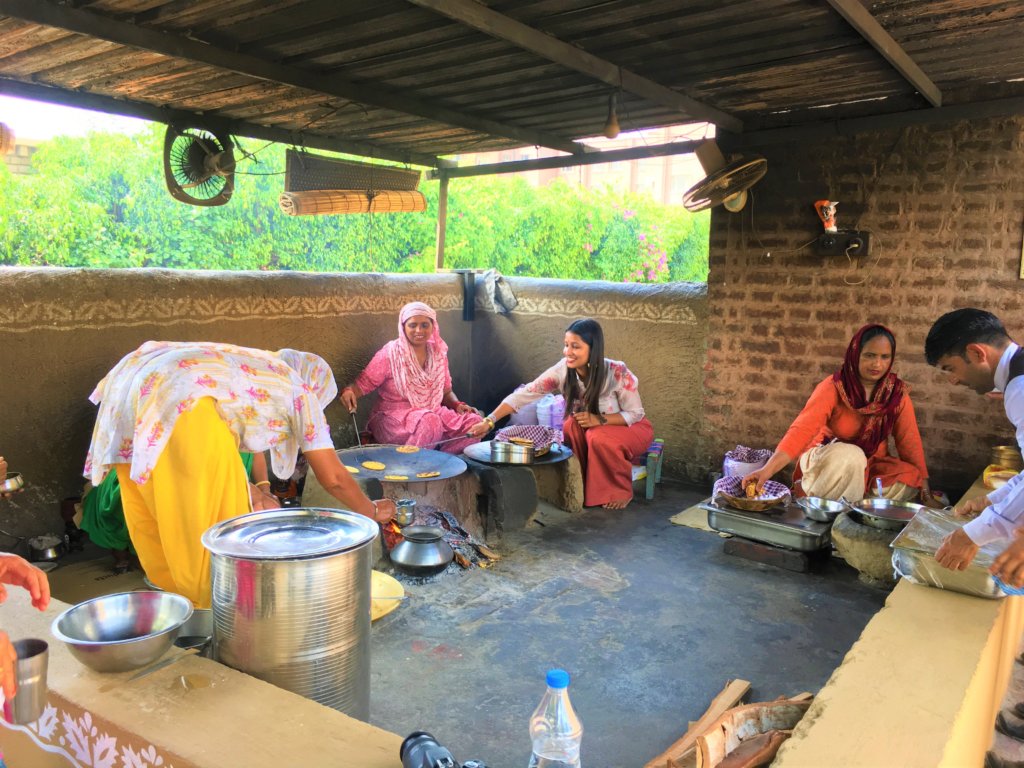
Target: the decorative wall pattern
pixel 86 743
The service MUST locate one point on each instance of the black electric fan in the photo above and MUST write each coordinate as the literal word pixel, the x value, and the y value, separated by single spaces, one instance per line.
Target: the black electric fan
pixel 199 166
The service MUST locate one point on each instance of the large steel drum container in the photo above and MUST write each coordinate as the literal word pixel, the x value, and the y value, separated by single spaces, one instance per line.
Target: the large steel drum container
pixel 291 601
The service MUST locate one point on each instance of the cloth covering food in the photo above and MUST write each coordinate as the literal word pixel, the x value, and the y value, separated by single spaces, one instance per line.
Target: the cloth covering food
pixel 543 437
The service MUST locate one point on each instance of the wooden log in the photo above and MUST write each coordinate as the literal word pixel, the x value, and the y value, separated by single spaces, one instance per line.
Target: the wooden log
pixel 740 724
pixel 675 756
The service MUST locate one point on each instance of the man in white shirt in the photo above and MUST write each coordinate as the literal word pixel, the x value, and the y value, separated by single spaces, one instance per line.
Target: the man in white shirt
pixel 972 346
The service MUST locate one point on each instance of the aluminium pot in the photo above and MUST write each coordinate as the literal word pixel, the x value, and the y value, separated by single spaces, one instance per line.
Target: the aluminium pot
pixel 46 548
pixel 291 601
pixel 422 551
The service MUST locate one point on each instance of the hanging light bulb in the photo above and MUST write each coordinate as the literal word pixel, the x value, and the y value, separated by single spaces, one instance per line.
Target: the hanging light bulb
pixel 6 139
pixel 611 125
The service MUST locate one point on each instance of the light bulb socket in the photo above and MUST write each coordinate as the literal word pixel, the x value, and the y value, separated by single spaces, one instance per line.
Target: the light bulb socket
pixel 611 124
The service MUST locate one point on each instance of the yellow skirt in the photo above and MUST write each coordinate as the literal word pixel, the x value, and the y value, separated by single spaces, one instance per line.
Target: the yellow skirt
pixel 199 480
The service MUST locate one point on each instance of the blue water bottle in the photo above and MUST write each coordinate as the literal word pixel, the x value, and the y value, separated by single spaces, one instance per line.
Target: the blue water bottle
pixel 555 730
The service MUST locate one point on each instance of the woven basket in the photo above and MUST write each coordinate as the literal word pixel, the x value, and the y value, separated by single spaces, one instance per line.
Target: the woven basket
pixel 730 491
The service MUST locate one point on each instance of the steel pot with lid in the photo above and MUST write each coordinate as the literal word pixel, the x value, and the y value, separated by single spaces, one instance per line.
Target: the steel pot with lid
pixel 291 601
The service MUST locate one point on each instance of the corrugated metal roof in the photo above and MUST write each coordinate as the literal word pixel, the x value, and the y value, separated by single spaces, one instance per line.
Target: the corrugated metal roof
pixel 405 81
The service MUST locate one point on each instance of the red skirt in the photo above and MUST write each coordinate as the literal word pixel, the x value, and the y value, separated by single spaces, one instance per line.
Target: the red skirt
pixel 606 457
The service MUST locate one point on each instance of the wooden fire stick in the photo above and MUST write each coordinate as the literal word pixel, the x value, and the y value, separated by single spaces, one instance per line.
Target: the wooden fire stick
pixel 674 756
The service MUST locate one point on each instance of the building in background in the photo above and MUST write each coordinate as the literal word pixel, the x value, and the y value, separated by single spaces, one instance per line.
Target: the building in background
pixel 664 178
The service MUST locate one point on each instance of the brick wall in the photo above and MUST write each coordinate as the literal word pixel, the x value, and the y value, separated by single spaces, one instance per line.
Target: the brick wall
pixel 944 204
pixel 19 159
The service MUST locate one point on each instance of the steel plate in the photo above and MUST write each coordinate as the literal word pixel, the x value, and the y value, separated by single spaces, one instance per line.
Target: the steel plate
pixel 482 452
pixel 408 464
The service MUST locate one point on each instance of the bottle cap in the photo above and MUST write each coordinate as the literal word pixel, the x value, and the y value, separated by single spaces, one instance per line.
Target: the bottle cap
pixel 558 678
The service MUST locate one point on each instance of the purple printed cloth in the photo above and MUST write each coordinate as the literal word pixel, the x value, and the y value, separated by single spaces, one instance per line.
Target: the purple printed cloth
pixel 733 486
pixel 749 455
pixel 542 437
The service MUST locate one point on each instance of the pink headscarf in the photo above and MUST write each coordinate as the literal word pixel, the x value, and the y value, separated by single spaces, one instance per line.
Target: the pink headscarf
pixel 422 386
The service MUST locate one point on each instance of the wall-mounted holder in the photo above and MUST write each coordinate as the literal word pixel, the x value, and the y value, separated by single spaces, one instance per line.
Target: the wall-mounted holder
pixel 845 242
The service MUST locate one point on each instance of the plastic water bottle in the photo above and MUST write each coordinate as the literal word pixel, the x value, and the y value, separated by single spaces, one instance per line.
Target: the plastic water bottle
pixel 554 728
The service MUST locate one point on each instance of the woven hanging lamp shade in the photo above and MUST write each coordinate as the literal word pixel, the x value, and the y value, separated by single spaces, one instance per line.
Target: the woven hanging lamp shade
pixel 6 139
pixel 328 201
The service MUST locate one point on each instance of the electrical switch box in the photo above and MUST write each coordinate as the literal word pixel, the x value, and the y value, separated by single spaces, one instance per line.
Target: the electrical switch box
pixel 845 242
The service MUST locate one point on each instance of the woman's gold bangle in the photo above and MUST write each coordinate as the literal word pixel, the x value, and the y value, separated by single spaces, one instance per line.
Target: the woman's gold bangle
pixel 489 420
pixel 262 482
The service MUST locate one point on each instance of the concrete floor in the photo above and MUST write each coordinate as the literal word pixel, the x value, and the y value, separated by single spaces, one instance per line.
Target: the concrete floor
pixel 651 620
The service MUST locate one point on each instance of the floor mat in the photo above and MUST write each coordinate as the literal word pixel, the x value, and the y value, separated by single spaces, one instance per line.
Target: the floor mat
pixel 693 517
pixel 87 579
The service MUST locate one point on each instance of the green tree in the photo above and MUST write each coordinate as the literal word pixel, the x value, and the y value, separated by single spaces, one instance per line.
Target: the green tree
pixel 100 201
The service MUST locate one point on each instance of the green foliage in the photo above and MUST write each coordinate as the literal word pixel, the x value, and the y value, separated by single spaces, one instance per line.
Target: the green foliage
pixel 100 201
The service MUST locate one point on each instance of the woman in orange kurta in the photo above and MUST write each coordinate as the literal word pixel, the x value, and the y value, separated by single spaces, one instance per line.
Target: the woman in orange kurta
pixel 841 437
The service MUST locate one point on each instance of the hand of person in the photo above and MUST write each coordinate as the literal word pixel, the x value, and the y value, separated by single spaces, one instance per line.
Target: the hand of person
pixel 957 551
pixel 8 659
pixel 586 419
pixel 971 508
pixel 929 499
pixel 480 429
pixel 1009 566
pixel 384 510
pixel 759 477
pixel 461 407
pixel 348 397
pixel 262 498
pixel 21 573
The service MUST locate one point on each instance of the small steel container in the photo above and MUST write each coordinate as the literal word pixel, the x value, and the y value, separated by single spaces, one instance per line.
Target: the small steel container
pixel 13 481
pixel 511 453
pixel 404 511
pixel 1007 457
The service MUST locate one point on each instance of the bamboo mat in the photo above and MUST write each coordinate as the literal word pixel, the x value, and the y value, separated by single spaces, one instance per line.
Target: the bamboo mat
pixel 333 201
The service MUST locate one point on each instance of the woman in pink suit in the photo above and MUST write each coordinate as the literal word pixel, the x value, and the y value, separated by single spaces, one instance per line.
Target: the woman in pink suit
pixel 415 404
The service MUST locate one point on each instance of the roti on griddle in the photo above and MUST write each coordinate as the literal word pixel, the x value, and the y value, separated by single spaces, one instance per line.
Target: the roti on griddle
pixel 428 474
pixel 396 477
pixel 353 470
pixel 374 465
pixel 407 448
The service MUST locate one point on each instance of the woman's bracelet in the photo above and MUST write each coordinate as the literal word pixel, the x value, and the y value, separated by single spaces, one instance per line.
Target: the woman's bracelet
pixel 262 482
pixel 489 420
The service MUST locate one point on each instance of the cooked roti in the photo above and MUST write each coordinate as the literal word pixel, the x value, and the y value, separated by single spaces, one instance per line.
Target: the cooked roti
pixel 521 441
pixel 375 465
pixel 396 477
pixel 428 474
pixel 407 448
pixel 353 470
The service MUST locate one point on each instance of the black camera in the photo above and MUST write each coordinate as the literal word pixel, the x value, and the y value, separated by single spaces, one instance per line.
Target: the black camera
pixel 421 750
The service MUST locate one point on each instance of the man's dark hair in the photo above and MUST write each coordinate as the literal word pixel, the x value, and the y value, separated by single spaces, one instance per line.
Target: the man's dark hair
pixel 952 332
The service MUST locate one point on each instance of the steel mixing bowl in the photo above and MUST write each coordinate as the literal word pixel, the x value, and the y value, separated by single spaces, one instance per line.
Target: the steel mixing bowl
pixel 128 630
pixel 820 510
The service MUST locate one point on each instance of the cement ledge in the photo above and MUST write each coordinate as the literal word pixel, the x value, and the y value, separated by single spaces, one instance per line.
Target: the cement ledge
pixel 230 718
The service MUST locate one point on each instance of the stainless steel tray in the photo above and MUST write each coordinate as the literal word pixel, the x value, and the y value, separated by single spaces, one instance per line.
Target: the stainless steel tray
pixel 781 526
pixel 913 557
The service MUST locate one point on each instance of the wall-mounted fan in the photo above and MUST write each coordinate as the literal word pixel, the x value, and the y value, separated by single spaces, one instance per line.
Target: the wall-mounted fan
pixel 199 165
pixel 726 183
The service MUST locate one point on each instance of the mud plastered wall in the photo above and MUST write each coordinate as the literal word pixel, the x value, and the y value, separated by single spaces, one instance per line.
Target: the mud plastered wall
pixel 62 330
pixel 944 205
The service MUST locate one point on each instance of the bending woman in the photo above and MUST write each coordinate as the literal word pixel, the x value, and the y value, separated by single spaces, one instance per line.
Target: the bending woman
pixel 172 419
pixel 841 437
pixel 604 418
pixel 415 404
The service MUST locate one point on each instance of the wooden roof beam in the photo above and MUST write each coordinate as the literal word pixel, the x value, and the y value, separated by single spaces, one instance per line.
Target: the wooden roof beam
pixel 483 19
pixel 544 163
pixel 858 17
pixel 181 47
pixel 112 106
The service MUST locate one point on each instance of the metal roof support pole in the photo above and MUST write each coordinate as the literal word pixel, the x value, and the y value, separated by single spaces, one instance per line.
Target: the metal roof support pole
pixel 442 223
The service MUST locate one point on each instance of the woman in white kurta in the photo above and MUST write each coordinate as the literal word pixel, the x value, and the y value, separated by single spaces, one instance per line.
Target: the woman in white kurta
pixel 604 422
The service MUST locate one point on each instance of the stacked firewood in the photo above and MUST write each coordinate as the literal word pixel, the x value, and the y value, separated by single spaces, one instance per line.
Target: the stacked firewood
pixel 734 735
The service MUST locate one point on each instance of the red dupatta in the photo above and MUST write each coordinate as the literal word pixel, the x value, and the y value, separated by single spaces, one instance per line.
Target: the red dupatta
pixel 881 411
